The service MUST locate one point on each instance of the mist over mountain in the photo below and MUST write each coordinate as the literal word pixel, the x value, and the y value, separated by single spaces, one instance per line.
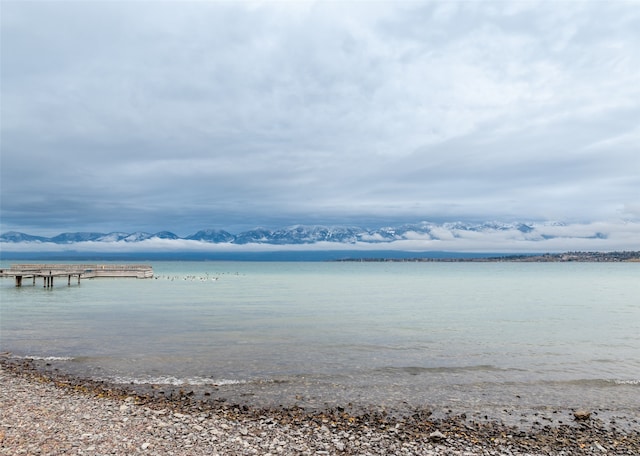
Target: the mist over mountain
pixel 297 234
pixel 303 234
pixel 309 241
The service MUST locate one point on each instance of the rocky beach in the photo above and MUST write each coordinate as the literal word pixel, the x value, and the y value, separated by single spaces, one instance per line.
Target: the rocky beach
pixel 48 413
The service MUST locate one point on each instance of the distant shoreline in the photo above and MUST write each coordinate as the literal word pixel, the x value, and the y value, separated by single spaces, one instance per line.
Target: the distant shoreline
pixel 584 257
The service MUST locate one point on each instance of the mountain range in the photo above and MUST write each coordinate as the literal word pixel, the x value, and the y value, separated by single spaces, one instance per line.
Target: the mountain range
pixel 302 234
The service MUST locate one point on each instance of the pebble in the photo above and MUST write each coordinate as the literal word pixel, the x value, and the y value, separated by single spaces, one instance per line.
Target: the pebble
pixel 40 416
pixel 582 415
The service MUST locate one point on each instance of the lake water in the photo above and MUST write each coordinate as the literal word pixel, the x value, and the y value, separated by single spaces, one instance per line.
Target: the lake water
pixel 397 335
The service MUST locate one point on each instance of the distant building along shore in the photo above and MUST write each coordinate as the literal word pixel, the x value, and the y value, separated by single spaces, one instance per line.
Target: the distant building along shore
pixel 588 257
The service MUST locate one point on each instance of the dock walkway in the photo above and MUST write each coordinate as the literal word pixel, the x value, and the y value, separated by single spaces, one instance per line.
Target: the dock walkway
pixel 82 271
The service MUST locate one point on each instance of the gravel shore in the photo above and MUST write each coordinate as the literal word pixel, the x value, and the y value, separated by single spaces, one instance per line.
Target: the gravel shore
pixel 46 414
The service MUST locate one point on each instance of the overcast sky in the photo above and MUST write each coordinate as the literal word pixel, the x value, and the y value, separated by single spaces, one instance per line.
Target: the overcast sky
pixel 126 116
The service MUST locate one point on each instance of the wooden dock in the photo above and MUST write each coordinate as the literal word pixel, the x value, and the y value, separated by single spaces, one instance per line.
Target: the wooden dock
pixel 80 271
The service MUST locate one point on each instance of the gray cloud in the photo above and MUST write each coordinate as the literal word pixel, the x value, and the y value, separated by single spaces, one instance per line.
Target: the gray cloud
pixel 181 115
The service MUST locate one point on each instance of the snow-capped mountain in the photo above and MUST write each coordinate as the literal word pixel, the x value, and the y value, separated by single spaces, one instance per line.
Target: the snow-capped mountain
pixel 69 238
pixel 137 236
pixel 165 235
pixel 257 236
pixel 302 234
pixel 216 236
pixel 112 237
pixel 14 236
pixel 521 237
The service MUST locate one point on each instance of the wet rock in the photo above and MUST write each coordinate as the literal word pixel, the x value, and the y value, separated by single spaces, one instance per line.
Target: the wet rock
pixel 582 415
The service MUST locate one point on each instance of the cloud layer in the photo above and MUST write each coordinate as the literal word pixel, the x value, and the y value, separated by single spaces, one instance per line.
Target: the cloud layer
pixel 183 115
pixel 423 237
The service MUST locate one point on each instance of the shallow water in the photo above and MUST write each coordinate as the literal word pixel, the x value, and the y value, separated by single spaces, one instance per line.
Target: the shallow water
pixel 392 334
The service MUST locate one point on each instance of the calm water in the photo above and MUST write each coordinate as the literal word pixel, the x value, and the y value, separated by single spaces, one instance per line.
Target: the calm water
pixel 392 334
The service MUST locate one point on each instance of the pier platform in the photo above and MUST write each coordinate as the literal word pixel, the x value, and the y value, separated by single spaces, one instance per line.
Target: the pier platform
pixel 49 272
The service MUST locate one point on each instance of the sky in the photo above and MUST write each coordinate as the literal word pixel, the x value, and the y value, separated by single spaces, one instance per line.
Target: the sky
pixel 181 116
